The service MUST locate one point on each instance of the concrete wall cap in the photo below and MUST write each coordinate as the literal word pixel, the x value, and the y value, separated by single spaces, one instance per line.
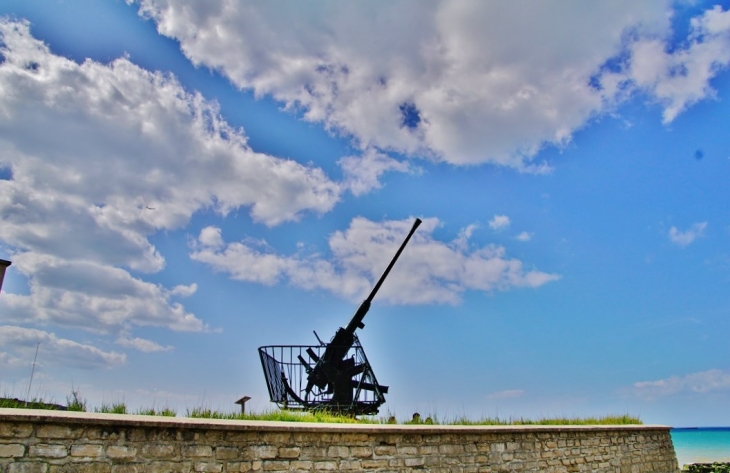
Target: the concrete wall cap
pixel 132 420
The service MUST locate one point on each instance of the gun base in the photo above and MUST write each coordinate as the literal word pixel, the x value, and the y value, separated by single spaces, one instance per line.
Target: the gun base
pixel 351 392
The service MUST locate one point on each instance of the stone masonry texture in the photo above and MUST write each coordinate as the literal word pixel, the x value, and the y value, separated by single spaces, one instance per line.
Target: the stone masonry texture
pixel 34 441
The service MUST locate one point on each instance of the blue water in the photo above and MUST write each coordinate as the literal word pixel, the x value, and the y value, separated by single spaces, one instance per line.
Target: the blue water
pixel 701 445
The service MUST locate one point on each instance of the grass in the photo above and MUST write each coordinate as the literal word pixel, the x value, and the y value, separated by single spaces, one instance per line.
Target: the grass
pixel 624 419
pixel 75 402
pixel 165 412
pixel 32 404
pixel 279 415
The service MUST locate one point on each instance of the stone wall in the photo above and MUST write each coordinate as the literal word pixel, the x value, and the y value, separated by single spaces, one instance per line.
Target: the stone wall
pixel 33 441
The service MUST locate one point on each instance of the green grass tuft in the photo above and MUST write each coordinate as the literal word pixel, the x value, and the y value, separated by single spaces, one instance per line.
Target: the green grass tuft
pixel 113 408
pixel 75 402
pixel 165 412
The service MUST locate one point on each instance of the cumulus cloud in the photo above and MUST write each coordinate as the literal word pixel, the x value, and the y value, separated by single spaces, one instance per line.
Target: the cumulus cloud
pixel 362 173
pixel 698 383
pixel 679 78
pixel 141 344
pixel 102 156
pixel 22 342
pixel 499 222
pixel 428 271
pixel 685 238
pixel 458 81
pixel 524 236
pixel 91 296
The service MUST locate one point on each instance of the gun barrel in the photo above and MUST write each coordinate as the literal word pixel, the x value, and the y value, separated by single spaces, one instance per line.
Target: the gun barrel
pixel 356 321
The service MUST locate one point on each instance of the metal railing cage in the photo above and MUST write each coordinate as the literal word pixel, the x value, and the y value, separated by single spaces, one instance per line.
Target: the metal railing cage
pixel 286 375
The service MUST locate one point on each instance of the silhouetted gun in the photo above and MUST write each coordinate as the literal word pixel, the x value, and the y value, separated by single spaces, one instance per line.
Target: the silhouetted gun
pixel 334 372
pixel 339 377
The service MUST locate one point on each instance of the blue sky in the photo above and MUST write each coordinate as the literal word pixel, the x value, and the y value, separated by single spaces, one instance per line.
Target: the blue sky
pixel 181 184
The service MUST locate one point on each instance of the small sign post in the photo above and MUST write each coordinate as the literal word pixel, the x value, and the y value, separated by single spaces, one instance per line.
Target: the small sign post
pixel 242 402
pixel 3 265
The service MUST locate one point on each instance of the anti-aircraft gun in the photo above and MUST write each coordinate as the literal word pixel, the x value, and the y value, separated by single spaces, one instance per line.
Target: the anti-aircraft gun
pixel 335 376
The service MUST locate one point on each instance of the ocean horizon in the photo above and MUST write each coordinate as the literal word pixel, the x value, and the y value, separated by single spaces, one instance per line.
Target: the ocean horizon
pixel 701 444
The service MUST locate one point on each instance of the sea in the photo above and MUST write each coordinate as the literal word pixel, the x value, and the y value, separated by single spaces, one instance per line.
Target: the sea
pixel 701 444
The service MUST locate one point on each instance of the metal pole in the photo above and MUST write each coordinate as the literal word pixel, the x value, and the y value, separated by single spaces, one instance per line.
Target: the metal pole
pixel 32 371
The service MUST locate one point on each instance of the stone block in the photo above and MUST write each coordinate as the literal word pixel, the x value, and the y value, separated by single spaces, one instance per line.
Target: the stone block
pixel 350 465
pixel 300 465
pixel 238 467
pixel 28 467
pixel 52 431
pixel 197 451
pixel 361 452
pixel 169 467
pixel 15 430
pixel 384 450
pixel 86 450
pixel 352 439
pixel 135 468
pixel 313 453
pixel 45 450
pixel 289 452
pixel 407 450
pixel 338 452
pixel 121 452
pixel 208 467
pixel 275 465
pixel 395 462
pixel 428 450
pixel 159 450
pixel 325 466
pixel 455 449
pixel 214 437
pixel 263 452
pixel 278 438
pixel 239 437
pixel 227 453
pixel 80 468
pixel 497 447
pixel 12 450
pixel 413 462
pixel 137 435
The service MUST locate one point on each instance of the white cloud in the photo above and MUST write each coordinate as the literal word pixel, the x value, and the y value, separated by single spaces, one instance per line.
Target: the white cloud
pixel 141 344
pixel 685 238
pixel 103 156
pixel 362 173
pixel 698 383
pixel 524 236
pixel 55 351
pixel 94 297
pixel 507 394
pixel 680 78
pixel 10 362
pixel 462 241
pixel 459 81
pixel 211 236
pixel 499 222
pixel 184 291
pixel 428 270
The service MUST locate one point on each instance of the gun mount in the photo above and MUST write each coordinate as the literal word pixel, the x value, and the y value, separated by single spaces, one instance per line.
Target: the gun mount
pixel 334 376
